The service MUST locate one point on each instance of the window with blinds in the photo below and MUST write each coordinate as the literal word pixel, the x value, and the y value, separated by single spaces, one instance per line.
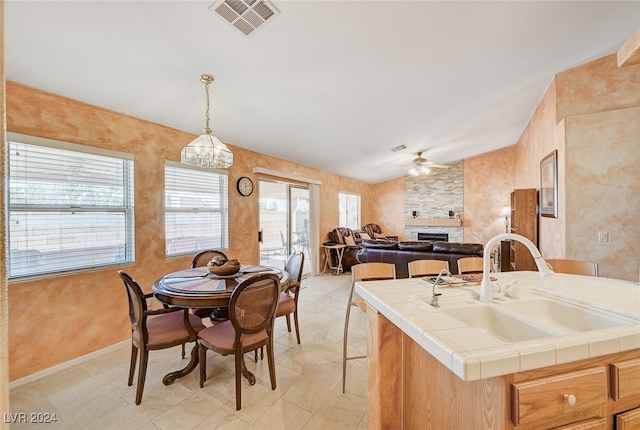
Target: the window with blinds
pixel 349 207
pixel 196 209
pixel 70 207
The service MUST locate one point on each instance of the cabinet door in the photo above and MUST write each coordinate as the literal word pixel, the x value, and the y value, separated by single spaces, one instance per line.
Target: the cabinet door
pixel 625 379
pixel 629 420
pixel 524 221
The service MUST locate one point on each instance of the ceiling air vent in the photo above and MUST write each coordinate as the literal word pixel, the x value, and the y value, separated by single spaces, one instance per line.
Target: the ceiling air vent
pixel 245 15
pixel 398 148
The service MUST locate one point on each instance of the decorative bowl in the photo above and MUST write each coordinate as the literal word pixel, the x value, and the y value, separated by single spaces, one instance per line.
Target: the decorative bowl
pixel 224 267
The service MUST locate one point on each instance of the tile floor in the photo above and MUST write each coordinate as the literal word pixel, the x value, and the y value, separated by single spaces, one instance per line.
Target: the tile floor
pixel 95 395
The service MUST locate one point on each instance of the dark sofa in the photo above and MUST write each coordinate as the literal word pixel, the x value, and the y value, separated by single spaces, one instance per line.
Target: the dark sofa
pixel 401 253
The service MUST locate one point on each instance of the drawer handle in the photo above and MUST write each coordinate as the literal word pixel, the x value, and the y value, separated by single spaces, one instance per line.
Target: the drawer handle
pixel 570 398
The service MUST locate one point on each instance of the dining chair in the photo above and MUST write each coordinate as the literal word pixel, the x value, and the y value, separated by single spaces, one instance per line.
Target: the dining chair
pixel 288 299
pixel 214 314
pixel 153 329
pixel 575 267
pixel 470 265
pixel 252 310
pixel 361 272
pixel 427 267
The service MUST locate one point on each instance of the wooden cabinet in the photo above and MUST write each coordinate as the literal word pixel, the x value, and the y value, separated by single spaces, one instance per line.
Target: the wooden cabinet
pixel 629 420
pixel 524 221
pixel 408 388
pixel 559 399
pixel 593 424
pixel 625 379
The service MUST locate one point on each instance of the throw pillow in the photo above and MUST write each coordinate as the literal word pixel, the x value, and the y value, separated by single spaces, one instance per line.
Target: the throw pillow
pixel 379 236
pixel 349 241
pixel 364 236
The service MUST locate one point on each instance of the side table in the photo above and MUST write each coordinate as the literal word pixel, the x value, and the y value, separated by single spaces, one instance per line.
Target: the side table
pixel 339 251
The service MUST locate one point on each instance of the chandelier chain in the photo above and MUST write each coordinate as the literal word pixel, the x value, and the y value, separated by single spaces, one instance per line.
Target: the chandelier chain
pixel 207 130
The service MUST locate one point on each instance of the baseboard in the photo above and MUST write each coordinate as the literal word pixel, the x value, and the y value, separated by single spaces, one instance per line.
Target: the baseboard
pixel 66 365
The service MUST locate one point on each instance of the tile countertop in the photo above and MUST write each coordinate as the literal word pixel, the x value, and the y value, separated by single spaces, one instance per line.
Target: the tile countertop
pixel 472 354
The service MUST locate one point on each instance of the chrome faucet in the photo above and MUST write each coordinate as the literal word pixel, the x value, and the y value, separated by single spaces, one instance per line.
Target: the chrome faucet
pixel 434 295
pixel 486 291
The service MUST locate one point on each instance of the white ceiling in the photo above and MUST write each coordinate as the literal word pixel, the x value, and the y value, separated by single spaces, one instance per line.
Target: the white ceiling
pixel 333 85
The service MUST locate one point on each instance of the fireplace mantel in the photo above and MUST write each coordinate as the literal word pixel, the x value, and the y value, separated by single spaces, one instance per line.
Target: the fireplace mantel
pixel 434 222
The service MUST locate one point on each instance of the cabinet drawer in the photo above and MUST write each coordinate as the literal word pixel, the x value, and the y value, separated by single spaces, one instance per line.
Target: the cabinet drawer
pixel 625 379
pixel 545 402
pixel 593 424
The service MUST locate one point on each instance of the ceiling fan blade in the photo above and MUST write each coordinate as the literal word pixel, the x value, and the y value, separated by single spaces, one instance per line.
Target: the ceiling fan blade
pixel 438 166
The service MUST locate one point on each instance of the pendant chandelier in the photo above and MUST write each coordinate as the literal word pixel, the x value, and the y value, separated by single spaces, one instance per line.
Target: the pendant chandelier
pixel 207 150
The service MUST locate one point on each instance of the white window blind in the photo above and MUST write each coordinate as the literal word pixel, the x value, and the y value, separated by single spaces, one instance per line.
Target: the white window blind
pixel 70 207
pixel 349 205
pixel 196 209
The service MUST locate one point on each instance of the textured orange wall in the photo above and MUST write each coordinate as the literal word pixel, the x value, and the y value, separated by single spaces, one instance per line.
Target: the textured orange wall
pixel 603 190
pixel 598 101
pixel 88 310
pixel 488 182
pixel 598 87
pixel 537 141
pixel 388 207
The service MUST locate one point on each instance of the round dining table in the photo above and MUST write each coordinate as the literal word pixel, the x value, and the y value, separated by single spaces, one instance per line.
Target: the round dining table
pixel 198 288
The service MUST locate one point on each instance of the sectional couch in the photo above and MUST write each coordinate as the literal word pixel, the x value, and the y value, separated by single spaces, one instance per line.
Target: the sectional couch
pixel 401 253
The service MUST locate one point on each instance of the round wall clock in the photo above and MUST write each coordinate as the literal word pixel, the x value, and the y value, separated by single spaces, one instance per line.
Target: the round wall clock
pixel 245 186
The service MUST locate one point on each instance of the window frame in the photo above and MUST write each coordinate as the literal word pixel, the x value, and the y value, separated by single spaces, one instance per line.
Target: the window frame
pixel 28 209
pixel 345 215
pixel 222 209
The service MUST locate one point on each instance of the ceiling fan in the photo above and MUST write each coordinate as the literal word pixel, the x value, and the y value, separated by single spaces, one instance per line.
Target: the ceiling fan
pixel 422 166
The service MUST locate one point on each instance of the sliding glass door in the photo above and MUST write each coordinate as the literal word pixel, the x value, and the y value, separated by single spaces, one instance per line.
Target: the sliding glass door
pixel 284 222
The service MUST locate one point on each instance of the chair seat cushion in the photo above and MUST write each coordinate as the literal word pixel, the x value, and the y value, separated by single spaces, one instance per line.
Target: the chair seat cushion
pixel 168 328
pixel 286 305
pixel 222 337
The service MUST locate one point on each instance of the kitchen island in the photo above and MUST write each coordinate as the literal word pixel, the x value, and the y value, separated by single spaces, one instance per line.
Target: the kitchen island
pixel 564 354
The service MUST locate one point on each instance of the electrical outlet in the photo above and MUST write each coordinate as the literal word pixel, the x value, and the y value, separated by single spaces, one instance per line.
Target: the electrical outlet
pixel 603 236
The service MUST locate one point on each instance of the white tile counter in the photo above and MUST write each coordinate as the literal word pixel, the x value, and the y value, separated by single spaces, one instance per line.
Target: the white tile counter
pixel 474 354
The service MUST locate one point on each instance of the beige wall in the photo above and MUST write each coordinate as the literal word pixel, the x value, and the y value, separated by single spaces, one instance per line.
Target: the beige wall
pixel 388 207
pixel 588 114
pixel 89 309
pixel 603 190
pixel 488 182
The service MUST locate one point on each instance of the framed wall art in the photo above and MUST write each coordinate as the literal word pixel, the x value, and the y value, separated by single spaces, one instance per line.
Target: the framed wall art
pixel 549 185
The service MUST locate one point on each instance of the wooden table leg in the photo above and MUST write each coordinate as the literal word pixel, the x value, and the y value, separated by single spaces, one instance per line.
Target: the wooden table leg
pixel 170 378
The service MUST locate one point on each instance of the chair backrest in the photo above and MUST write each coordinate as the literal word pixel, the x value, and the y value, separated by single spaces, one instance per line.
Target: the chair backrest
pixel 293 267
pixel 137 304
pixel 470 265
pixel 372 271
pixel 426 267
pixel 253 304
pixel 202 258
pixel 575 267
